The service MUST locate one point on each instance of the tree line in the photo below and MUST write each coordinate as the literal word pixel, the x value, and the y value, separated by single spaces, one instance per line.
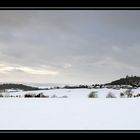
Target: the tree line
pixel 17 86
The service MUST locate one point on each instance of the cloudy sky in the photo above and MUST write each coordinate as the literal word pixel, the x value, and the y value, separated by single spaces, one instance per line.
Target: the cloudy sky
pixel 68 46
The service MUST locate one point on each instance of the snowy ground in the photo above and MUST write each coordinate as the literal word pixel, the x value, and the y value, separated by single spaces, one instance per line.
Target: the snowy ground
pixel 77 112
pixel 75 93
pixel 69 114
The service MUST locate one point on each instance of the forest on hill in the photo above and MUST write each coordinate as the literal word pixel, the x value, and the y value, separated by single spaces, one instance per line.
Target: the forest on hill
pixel 128 80
pixel 17 86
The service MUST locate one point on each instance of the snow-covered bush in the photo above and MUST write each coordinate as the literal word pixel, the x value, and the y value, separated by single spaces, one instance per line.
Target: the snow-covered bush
pixel 110 95
pixel 6 95
pixel 64 96
pixel 138 95
pixel 12 96
pixel 28 95
pixel 1 95
pixel 122 95
pixel 41 95
pixel 128 93
pixel 54 96
pixel 93 95
pixel 18 96
pixel 31 95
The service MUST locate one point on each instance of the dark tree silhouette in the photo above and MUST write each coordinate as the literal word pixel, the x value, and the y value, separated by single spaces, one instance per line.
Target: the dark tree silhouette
pixel 17 86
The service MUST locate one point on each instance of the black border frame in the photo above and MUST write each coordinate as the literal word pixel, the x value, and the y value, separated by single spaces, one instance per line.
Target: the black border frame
pixel 69 8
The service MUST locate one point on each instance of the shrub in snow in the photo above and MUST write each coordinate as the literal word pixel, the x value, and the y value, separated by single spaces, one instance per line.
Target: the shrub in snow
pixel 12 96
pixel 122 95
pixel 83 86
pixel 19 96
pixel 29 95
pixel 93 95
pixel 6 95
pixel 64 96
pixel 46 97
pixel 129 93
pixel 56 88
pixel 138 95
pixel 110 95
pixel 54 96
pixel 40 95
pixel 1 95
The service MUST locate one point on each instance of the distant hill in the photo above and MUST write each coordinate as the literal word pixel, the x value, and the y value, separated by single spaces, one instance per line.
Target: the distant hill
pixel 17 86
pixel 128 80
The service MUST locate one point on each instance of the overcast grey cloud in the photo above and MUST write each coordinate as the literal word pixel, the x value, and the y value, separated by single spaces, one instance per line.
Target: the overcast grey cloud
pixel 68 46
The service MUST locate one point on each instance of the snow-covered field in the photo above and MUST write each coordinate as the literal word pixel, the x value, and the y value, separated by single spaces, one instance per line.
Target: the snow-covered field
pixel 77 112
pixel 74 93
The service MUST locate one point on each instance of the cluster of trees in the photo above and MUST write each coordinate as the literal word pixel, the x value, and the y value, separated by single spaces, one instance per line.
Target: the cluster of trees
pixel 134 81
pixel 85 86
pixel 97 85
pixel 3 87
pixel 40 95
pixel 74 87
